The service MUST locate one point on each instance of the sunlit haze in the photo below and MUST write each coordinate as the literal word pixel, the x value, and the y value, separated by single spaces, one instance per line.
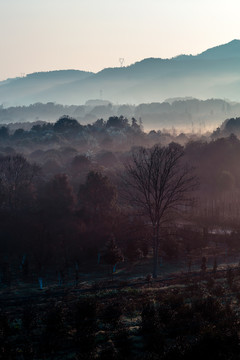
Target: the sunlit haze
pixel 93 34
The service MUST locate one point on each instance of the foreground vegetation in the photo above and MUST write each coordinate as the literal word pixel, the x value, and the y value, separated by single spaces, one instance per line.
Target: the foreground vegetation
pixel 194 318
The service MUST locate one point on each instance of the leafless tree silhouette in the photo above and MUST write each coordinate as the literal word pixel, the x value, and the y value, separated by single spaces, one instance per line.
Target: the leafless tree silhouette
pixel 158 183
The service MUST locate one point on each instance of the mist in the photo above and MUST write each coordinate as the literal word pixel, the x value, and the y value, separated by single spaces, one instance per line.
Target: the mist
pixel 211 74
pixel 119 211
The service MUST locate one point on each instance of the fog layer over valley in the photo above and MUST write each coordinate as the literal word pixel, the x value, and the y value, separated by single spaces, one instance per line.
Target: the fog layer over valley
pixel 184 114
pixel 67 147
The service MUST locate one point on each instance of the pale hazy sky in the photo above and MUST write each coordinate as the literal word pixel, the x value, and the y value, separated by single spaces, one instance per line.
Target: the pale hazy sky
pixel 40 35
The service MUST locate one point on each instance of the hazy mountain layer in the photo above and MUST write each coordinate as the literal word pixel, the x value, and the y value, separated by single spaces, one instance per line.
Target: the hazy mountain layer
pixel 215 73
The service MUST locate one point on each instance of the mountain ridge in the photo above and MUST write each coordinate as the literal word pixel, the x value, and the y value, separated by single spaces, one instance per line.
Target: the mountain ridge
pixel 213 73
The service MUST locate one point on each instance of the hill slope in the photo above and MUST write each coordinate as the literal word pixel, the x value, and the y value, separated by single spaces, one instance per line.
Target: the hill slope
pixel 213 73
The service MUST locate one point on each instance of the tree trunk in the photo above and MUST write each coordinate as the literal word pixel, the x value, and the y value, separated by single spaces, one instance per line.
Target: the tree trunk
pixel 155 253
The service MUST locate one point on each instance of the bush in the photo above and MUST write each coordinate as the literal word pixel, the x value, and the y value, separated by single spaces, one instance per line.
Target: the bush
pixel 112 314
pixel 218 290
pixel 209 308
pixel 123 344
pixel 85 322
pixel 28 317
pixel 85 314
pixel 54 321
pixel 210 283
pixel 230 277
pixel 174 300
pixel 152 328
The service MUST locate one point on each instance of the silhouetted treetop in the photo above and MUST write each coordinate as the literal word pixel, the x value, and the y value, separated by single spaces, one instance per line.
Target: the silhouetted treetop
pixel 117 122
pixel 97 195
pixel 16 178
pixel 66 124
pixel 80 162
pixel 57 196
pixel 4 132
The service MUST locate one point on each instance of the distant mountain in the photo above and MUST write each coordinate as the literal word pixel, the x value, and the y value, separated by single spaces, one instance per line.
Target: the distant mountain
pixel 24 90
pixel 226 51
pixel 215 73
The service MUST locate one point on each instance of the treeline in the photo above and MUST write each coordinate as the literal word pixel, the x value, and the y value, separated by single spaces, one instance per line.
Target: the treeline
pixel 228 127
pixel 63 204
pixel 183 113
pixel 117 133
pixel 47 225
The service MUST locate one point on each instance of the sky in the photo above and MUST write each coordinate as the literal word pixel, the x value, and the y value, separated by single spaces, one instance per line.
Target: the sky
pixel 44 35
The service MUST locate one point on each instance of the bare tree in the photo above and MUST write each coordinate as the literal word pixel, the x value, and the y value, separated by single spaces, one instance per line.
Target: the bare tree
pixel 158 183
pixel 16 177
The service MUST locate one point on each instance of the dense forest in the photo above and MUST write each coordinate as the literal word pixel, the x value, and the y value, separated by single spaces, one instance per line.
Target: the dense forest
pixel 114 242
pixel 74 172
